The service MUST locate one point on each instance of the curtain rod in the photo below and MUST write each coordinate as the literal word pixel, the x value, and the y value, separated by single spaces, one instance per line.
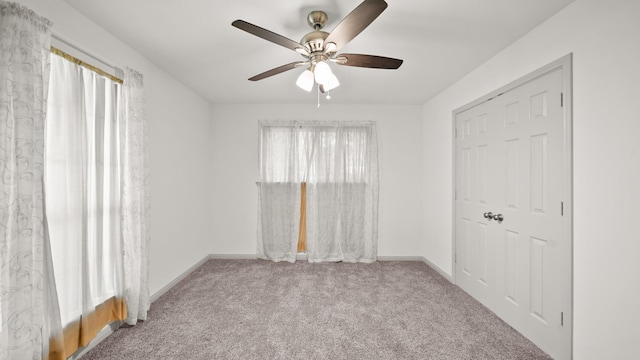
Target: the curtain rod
pixel 75 60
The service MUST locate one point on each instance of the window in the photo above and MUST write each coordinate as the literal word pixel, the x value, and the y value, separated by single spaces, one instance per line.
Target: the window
pixel 323 175
pixel 319 154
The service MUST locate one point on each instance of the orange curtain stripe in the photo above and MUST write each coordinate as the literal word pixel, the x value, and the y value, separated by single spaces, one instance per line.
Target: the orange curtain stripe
pixel 56 348
pixel 302 235
pixel 79 333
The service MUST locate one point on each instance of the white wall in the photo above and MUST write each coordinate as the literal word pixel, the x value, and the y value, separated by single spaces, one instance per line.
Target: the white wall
pixel 179 132
pixel 235 155
pixel 604 37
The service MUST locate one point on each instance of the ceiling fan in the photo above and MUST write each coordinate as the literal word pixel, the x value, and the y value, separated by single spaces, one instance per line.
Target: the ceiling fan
pixel 320 47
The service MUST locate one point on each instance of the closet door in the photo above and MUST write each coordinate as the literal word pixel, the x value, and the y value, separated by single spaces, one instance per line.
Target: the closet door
pixel 511 252
pixel 478 146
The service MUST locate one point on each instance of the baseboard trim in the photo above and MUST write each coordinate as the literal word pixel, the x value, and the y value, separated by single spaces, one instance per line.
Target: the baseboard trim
pixel 401 258
pixel 303 257
pixel 180 277
pixel 438 269
pixel 233 256
pixel 186 273
pixel 418 258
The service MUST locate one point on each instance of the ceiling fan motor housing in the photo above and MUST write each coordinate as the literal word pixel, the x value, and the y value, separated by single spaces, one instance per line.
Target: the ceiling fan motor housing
pixel 314 40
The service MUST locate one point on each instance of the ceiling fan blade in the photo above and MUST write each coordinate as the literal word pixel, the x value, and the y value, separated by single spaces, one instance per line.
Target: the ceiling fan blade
pixel 368 61
pixel 266 34
pixel 278 70
pixel 355 22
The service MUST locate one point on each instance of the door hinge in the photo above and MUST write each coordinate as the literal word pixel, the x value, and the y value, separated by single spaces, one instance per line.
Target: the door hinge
pixel 561 208
pixel 455 195
pixel 561 99
pixel 561 319
pixel 456 135
pixel 455 257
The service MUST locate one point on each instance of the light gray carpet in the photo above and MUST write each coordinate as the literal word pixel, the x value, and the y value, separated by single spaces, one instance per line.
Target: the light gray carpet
pixel 254 309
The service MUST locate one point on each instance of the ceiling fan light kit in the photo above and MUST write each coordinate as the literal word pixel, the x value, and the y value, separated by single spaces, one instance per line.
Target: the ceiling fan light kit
pixel 322 73
pixel 320 47
pixel 331 84
pixel 305 80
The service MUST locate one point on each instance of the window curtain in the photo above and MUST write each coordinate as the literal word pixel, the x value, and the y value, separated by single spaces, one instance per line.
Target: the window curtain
pixel 342 193
pixel 338 164
pixel 96 181
pixel 282 162
pixel 83 199
pixel 135 187
pixel 29 315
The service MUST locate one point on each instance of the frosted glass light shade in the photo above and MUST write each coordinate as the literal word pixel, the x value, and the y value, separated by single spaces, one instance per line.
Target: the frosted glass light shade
pixel 332 83
pixel 322 73
pixel 305 80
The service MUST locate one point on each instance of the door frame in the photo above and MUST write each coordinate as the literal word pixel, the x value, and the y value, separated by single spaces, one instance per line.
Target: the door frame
pixel 564 63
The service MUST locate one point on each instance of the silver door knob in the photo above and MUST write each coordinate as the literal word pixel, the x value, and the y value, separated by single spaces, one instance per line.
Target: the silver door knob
pixel 488 215
pixel 498 217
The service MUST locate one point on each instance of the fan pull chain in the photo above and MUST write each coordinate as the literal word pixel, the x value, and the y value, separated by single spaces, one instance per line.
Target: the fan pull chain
pixel 318 96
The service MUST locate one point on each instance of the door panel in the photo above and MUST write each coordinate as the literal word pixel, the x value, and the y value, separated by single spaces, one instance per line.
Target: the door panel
pixel 510 161
pixel 475 155
pixel 511 173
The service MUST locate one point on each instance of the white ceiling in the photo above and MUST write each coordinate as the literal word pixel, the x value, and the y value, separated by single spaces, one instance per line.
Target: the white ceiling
pixel 439 41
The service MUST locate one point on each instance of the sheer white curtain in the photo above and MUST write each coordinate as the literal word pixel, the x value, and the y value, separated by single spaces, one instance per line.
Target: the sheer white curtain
pixel 83 191
pixel 281 172
pixel 342 193
pixel 338 161
pixel 97 198
pixel 28 301
pixel 135 197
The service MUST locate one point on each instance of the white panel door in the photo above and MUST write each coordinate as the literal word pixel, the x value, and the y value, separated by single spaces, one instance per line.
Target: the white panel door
pixel 510 165
pixel 478 145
